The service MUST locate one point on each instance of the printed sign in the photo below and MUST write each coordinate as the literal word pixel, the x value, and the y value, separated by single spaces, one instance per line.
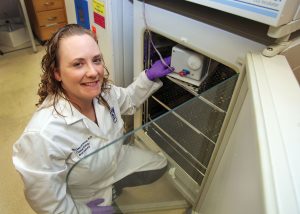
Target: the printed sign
pixel 82 13
pixel 99 13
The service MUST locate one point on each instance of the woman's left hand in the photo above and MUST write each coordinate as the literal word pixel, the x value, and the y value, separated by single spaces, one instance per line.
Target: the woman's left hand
pixel 159 69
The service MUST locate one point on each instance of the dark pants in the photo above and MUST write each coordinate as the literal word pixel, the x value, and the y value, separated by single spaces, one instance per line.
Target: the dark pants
pixel 139 178
pixel 135 179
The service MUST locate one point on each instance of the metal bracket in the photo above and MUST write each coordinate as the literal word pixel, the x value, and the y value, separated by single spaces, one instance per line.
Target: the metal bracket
pixel 282 33
pixel 284 30
pixel 275 49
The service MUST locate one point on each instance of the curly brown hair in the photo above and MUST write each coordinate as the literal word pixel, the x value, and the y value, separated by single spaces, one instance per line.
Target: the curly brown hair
pixel 49 85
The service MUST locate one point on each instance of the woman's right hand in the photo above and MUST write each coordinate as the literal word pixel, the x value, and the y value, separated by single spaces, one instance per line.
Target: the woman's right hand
pixel 96 209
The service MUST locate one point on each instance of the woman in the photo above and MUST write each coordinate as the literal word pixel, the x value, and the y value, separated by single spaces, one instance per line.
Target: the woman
pixel 79 113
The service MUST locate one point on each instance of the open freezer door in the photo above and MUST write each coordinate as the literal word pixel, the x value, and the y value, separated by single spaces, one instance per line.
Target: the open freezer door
pixel 276 101
pixel 256 169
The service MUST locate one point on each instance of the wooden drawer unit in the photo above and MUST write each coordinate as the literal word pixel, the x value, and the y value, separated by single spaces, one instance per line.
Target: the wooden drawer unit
pixel 43 5
pixel 50 17
pixel 46 32
pixel 46 16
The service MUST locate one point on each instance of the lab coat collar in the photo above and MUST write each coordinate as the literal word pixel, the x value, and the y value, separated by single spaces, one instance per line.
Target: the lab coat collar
pixel 65 109
pixel 70 113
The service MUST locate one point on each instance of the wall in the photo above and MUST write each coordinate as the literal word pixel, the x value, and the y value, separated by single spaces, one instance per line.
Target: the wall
pixel 292 54
pixel 8 9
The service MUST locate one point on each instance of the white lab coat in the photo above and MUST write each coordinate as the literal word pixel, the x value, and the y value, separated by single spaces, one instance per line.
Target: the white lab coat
pixel 52 144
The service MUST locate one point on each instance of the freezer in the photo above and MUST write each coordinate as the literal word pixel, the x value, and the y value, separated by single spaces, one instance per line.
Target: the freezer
pixel 227 120
pixel 229 167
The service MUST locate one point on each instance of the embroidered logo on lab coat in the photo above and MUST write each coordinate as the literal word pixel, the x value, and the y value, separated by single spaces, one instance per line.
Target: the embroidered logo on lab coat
pixel 83 147
pixel 113 115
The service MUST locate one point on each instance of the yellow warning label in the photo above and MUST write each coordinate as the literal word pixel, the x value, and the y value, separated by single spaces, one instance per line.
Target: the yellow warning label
pixel 99 7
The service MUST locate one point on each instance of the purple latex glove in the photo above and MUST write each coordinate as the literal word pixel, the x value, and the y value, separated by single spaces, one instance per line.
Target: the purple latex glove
pixel 158 69
pixel 93 205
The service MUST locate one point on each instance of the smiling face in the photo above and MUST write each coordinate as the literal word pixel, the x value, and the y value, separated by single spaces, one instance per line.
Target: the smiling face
pixel 80 68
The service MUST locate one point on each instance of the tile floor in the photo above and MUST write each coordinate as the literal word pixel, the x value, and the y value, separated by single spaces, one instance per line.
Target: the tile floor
pixel 19 77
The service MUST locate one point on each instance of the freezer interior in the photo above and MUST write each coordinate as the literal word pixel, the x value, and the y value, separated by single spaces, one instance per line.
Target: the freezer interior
pixel 189 134
pixel 182 122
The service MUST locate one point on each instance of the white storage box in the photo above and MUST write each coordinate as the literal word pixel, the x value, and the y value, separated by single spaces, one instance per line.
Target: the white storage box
pixel 16 37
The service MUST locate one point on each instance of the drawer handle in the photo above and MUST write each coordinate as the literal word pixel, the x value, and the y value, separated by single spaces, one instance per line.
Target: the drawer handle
pixel 49 3
pixel 52 18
